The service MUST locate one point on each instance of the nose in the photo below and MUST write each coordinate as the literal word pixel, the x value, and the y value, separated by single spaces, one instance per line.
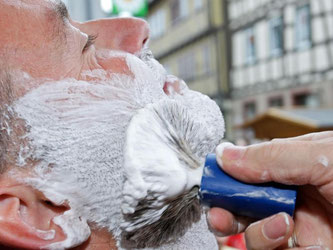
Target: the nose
pixel 125 34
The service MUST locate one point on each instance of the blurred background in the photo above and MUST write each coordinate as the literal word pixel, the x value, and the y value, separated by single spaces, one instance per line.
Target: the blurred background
pixel 267 63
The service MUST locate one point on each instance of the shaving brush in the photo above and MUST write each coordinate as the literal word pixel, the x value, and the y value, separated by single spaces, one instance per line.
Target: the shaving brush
pixel 171 178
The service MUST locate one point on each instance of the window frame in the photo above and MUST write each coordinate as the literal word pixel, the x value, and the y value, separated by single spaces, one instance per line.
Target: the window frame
pixel 273 98
pixel 246 104
pixel 157 19
pixel 309 94
pixel 250 47
pixel 177 10
pixel 187 66
pixel 197 6
pixel 274 22
pixel 302 43
pixel 207 59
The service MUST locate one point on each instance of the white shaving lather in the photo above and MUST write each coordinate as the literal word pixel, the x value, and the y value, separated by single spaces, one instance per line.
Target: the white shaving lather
pixel 163 167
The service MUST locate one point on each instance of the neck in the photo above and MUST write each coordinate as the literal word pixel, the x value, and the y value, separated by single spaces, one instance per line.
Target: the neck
pixel 99 240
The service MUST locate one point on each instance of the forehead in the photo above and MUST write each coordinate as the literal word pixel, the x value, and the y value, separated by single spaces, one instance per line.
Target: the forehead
pixel 32 6
pixel 22 19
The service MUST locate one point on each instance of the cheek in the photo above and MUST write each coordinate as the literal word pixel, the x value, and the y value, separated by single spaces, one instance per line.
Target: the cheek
pixel 115 65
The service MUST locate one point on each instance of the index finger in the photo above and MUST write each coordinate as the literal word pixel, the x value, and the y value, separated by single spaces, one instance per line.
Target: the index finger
pixel 283 161
pixel 312 136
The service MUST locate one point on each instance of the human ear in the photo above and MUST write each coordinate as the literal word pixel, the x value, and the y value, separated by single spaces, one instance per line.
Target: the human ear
pixel 26 217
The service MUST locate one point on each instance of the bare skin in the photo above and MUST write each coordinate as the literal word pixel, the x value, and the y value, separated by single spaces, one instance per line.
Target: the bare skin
pixel 305 161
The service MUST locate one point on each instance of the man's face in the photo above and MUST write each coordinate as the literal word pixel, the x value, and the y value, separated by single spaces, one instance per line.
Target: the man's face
pixel 48 44
pixel 85 82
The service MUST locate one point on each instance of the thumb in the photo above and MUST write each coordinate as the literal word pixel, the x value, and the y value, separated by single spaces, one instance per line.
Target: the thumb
pixel 282 160
pixel 269 233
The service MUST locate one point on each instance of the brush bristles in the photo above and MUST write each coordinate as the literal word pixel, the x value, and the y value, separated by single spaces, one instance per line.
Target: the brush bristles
pixel 164 156
pixel 176 219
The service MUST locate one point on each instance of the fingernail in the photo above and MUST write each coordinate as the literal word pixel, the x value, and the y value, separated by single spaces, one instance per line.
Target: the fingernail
pixel 220 148
pixel 231 153
pixel 277 227
pixel 209 218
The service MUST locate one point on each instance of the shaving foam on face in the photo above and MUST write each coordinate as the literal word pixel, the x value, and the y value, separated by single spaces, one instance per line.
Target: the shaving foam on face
pixel 75 228
pixel 77 132
pixel 46 235
pixel 73 225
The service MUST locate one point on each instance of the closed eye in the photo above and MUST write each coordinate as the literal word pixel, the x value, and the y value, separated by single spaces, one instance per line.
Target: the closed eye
pixel 90 41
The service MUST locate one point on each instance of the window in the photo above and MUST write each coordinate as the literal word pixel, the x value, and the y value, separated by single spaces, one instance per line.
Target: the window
pixel 174 10
pixel 249 110
pixel 179 9
pixel 306 99
pixel 198 4
pixel 157 23
pixel 183 8
pixel 187 66
pixel 207 59
pixel 276 36
pixel 303 27
pixel 275 101
pixel 250 45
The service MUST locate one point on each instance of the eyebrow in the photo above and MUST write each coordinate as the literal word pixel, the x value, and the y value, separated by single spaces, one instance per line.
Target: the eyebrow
pixel 58 14
pixel 61 10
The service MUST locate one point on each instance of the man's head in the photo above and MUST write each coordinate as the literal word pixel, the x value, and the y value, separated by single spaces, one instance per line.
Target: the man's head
pixel 39 38
pixel 68 94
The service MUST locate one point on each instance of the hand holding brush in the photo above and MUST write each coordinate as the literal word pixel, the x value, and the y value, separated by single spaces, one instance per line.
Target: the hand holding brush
pixel 305 161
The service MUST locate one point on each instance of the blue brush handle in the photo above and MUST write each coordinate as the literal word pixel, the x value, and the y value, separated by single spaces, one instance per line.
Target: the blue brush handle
pixel 218 189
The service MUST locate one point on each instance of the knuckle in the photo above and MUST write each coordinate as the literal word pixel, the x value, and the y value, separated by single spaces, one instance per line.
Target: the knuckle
pixel 328 133
pixel 251 239
pixel 276 140
pixel 322 135
pixel 273 149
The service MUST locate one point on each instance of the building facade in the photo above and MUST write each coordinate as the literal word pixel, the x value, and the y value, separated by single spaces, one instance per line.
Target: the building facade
pixel 282 55
pixel 84 10
pixel 189 38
